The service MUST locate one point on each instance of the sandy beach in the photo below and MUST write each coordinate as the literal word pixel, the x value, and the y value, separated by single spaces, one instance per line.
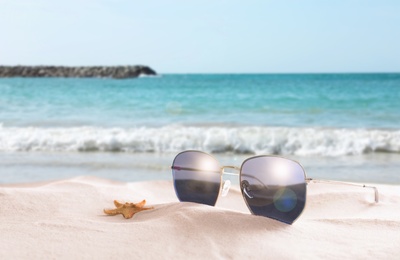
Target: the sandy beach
pixel 65 220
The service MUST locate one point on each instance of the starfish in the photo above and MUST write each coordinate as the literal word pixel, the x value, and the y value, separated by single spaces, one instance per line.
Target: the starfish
pixel 127 209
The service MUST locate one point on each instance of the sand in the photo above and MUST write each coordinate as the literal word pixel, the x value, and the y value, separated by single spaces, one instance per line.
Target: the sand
pixel 65 220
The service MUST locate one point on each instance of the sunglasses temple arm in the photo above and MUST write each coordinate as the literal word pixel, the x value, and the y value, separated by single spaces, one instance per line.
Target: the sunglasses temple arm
pixel 310 180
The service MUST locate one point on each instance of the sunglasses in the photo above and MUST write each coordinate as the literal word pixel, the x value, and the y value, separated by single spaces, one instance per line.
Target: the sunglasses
pixel 272 186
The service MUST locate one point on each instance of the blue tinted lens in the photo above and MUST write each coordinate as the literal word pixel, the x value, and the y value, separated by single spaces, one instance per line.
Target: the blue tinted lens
pixel 197 177
pixel 273 187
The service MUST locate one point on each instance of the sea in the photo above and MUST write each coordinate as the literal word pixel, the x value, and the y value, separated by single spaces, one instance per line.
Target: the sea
pixel 338 126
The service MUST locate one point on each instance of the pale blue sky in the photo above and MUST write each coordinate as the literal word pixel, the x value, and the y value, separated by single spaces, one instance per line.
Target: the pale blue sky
pixel 207 36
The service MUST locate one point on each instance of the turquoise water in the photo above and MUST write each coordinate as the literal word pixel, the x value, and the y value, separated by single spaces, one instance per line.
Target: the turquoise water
pixel 328 100
pixel 347 117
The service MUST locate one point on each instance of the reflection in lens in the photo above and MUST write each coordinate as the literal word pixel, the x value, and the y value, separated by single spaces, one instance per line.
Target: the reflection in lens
pixel 285 199
pixel 197 177
pixel 277 185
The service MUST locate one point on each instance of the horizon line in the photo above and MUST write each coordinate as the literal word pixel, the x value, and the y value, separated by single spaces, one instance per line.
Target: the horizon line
pixel 216 73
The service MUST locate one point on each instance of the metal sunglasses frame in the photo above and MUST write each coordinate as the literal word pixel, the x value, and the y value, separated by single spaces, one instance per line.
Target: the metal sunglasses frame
pixel 239 169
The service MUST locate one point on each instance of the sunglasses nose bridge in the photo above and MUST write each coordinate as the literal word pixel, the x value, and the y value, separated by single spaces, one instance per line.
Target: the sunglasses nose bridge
pixel 230 167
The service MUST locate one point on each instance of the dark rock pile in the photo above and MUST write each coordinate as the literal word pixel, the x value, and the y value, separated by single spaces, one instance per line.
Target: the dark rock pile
pixel 118 72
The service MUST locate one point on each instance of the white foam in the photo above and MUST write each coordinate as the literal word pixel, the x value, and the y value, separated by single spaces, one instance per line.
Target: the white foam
pixel 175 138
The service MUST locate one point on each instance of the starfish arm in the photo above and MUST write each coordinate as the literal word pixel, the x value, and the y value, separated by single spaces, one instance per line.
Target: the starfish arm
pixel 111 212
pixel 128 214
pixel 117 204
pixel 140 204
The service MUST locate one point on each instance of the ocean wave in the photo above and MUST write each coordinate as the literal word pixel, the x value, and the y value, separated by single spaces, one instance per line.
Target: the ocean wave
pixel 216 139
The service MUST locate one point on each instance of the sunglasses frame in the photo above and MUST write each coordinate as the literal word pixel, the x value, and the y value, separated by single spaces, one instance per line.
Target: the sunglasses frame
pixel 239 169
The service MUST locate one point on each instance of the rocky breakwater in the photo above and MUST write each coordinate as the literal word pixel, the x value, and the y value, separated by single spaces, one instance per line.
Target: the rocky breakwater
pixel 117 72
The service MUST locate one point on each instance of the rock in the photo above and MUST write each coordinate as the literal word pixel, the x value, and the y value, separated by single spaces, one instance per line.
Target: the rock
pixel 118 72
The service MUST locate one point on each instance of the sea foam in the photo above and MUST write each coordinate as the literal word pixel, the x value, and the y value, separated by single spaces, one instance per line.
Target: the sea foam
pixel 216 139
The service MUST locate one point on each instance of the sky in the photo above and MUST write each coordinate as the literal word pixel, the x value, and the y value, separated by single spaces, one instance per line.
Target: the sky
pixel 204 36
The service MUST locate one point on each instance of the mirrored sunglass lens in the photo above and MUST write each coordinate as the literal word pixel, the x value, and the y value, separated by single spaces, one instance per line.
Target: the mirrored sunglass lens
pixel 197 177
pixel 274 187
